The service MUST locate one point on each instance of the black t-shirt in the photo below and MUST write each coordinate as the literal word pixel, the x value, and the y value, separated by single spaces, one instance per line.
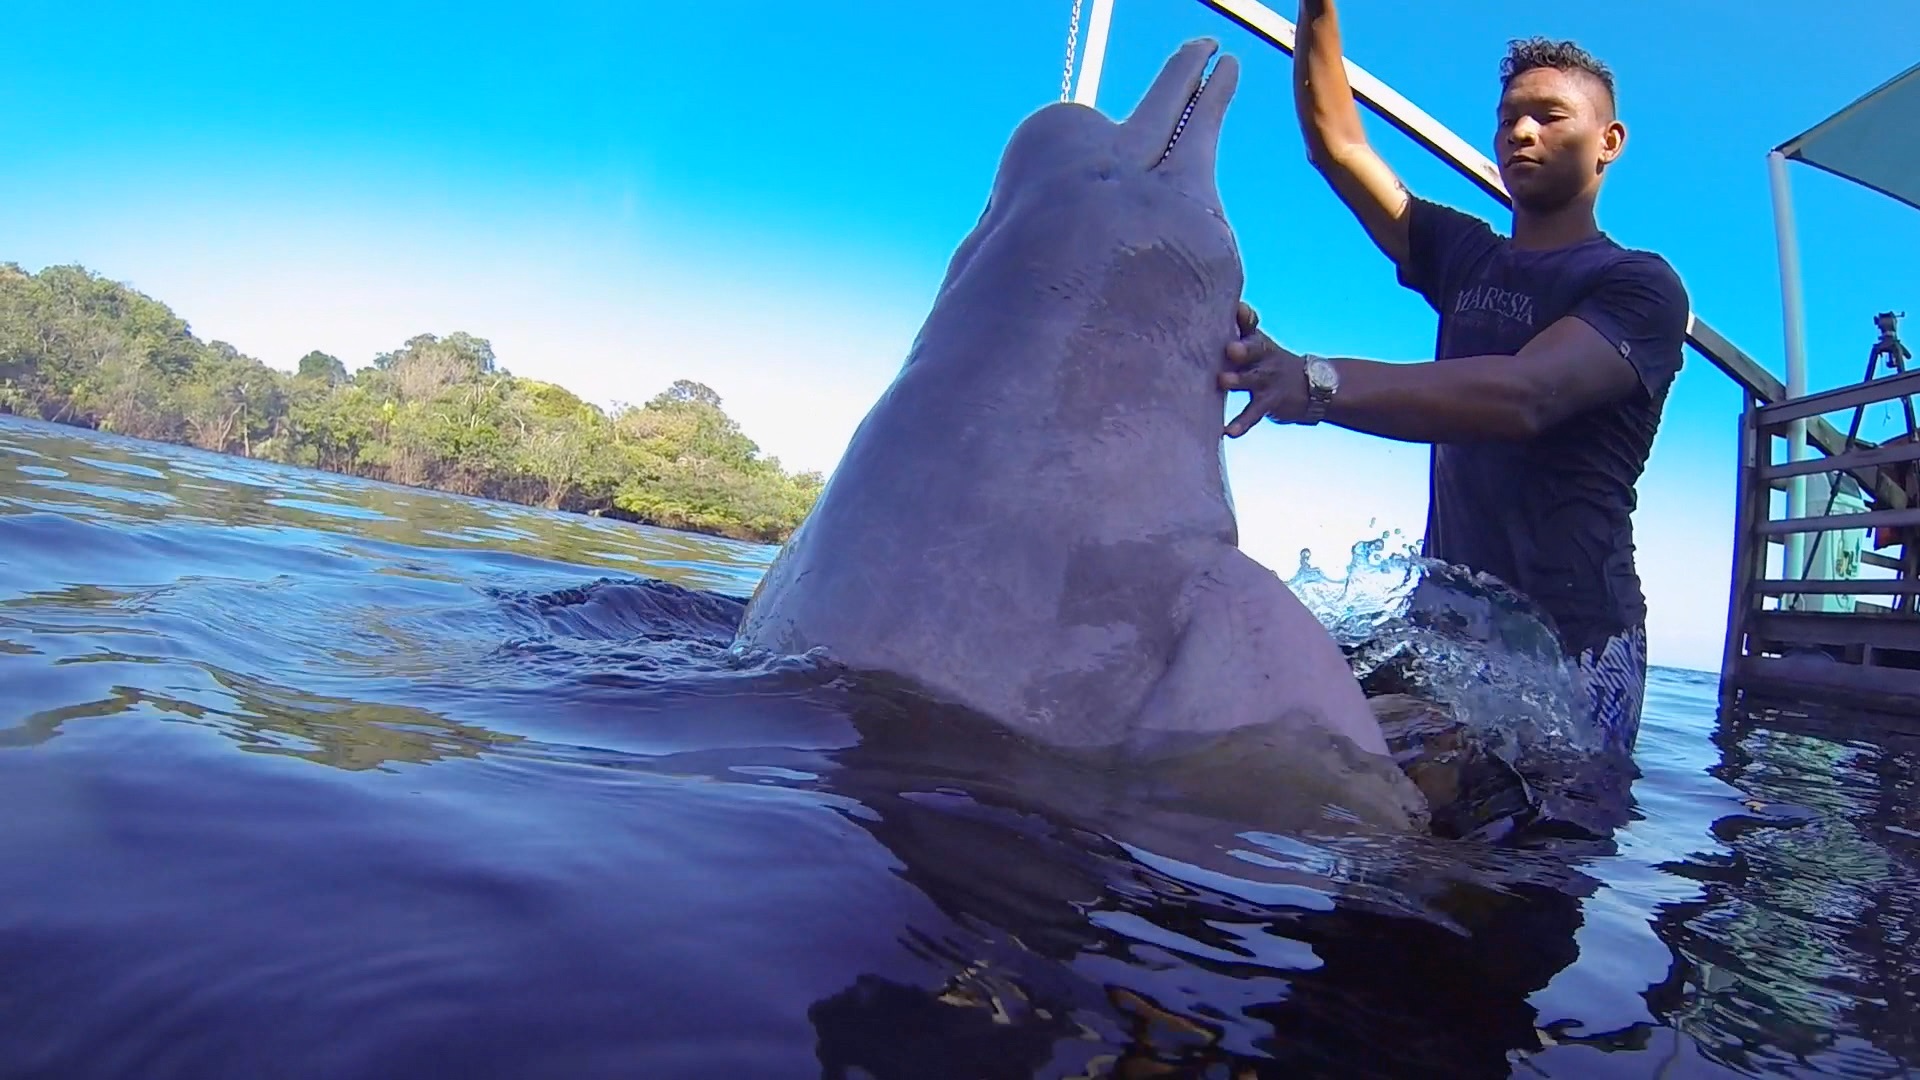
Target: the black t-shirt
pixel 1549 516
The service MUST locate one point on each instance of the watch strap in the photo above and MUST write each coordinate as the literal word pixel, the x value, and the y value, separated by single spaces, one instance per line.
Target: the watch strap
pixel 1318 396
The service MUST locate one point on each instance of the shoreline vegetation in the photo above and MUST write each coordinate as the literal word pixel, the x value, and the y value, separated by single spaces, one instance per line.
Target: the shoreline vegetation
pixel 438 412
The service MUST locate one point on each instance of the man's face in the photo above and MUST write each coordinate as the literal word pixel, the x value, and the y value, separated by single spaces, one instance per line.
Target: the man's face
pixel 1555 132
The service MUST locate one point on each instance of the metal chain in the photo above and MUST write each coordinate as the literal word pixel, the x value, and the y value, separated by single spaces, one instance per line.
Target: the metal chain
pixel 1073 43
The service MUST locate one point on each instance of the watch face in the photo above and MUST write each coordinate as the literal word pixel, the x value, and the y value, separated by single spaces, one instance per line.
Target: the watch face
pixel 1321 376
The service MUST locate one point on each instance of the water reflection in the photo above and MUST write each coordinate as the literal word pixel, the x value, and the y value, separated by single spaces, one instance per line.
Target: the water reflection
pixel 1097 957
pixel 1797 950
pixel 266 719
pixel 127 480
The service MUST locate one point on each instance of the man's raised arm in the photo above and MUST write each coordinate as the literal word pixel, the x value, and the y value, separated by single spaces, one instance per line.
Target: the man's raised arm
pixel 1336 143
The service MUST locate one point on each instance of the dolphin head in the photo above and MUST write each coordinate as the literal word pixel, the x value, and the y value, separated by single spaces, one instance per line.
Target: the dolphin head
pixel 1171 138
pixel 1068 163
pixel 1173 132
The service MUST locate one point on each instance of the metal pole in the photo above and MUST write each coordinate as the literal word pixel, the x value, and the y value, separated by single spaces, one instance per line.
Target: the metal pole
pixel 1277 30
pixel 1794 319
pixel 1098 23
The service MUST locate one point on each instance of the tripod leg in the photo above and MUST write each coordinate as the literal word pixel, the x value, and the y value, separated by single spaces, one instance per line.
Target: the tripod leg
pixel 1833 478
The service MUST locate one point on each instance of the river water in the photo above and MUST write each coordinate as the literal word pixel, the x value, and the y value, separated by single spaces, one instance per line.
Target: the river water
pixel 304 776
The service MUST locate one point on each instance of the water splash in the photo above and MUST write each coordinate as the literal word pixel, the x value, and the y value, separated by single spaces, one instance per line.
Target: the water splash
pixel 1378 585
pixel 1415 625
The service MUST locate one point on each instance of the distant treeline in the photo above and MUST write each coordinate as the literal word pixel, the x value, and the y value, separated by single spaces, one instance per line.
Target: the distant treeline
pixel 438 412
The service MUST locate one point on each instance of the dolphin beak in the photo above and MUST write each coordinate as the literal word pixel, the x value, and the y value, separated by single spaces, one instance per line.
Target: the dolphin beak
pixel 1162 113
pixel 1196 143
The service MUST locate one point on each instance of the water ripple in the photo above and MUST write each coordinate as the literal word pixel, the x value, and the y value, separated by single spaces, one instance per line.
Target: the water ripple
pixel 306 776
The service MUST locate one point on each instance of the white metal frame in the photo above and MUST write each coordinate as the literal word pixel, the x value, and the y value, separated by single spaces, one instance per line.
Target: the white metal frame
pixel 1094 56
pixel 1278 31
pixel 1793 325
pixel 1387 103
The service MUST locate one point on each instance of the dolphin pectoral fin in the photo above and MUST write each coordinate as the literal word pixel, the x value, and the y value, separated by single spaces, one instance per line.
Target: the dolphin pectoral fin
pixel 1251 653
pixel 1257 689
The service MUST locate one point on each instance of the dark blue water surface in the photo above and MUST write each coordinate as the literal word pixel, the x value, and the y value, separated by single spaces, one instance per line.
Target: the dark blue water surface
pixel 307 777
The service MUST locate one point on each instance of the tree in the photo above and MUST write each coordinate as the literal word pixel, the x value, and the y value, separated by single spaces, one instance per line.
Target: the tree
pixel 320 367
pixel 686 390
pixel 439 412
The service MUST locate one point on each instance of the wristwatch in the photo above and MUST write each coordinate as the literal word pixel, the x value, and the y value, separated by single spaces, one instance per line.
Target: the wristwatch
pixel 1322 383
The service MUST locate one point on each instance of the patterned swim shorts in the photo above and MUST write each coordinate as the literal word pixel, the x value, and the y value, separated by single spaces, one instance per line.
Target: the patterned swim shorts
pixel 1615 678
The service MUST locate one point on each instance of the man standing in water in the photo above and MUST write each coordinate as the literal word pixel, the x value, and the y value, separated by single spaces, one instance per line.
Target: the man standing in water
pixel 1555 352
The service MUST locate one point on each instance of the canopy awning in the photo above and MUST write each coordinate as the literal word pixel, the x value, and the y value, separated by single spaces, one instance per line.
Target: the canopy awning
pixel 1874 142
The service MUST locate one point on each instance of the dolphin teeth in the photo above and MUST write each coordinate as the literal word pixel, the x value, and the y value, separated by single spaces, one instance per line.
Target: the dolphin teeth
pixel 1192 100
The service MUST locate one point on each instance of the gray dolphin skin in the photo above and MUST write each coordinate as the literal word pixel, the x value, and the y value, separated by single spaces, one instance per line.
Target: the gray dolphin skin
pixel 1033 520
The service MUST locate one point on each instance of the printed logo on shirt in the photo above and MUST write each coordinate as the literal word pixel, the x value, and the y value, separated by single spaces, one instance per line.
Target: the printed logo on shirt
pixel 1626 350
pixel 1509 304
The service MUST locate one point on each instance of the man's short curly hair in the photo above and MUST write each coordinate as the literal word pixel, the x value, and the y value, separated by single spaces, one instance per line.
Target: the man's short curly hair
pixel 1525 54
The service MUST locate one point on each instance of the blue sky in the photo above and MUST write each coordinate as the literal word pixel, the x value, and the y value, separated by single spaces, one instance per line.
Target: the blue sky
pixel 763 196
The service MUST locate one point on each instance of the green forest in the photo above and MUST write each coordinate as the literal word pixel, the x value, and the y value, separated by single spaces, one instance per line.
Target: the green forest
pixel 438 412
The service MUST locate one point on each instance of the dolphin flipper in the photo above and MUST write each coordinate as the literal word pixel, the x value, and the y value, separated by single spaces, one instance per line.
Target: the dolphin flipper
pixel 1253 657
pixel 1249 644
